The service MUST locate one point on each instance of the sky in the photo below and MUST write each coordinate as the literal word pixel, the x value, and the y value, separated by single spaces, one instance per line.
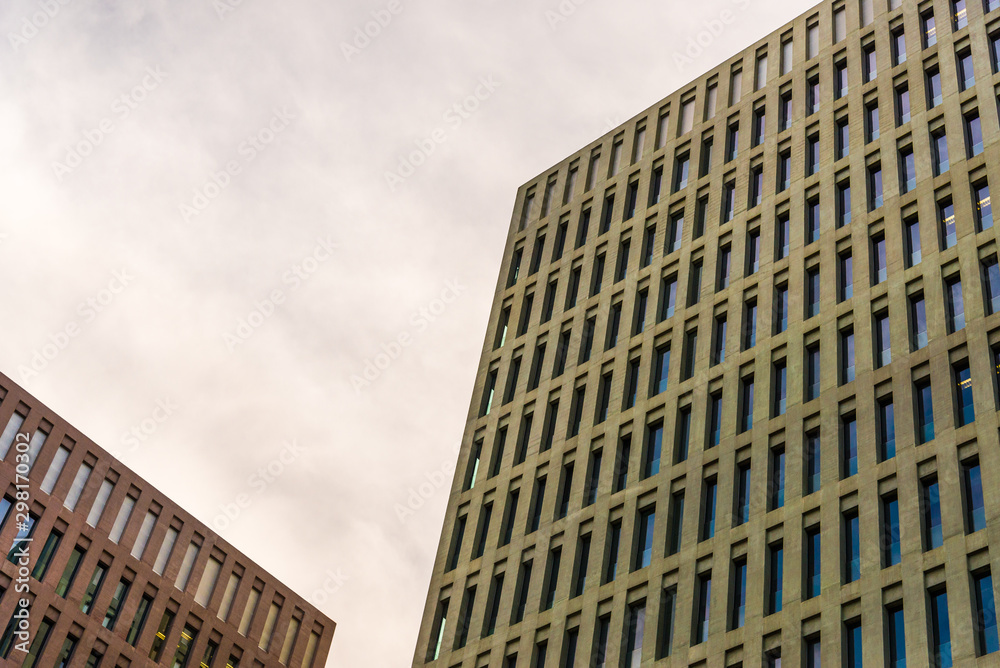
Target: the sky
pixel 250 247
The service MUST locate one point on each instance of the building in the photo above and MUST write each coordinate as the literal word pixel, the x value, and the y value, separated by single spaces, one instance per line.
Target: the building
pixel 116 574
pixel 738 399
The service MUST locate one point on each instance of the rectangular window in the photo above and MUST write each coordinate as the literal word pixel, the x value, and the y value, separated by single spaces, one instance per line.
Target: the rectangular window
pixel 703 602
pixel 780 308
pixel 653 450
pixel 812 220
pixel 883 349
pixel 924 411
pixel 813 290
pixel 608 212
pixel 565 491
pixel 775 577
pixel 843 203
pixel 847 358
pixel 787 114
pixel 813 650
pixel 848 447
pixel 812 41
pixel 940 629
pixel 485 515
pixel 874 187
pixel 139 620
pixel 756 187
pixel 681 166
pixel 843 138
pixel 813 463
pixel 746 404
pixel 93 588
pixel 846 276
pixel 719 341
pixel 581 566
pixel 114 607
pixel 614 325
pixel 705 161
pixel 676 526
pixel 898 39
pixel 852 547
pixel 984 206
pixel 714 420
pixel 812 155
pixel 886 429
pixel 880 263
pixel 812 96
pixel 812 386
pixel 973 134
pixel 759 126
pixel 614 546
pixel 966 75
pixel 939 150
pixel 631 200
pixel 44 557
pixel 621 464
pixel 709 500
pixel 907 170
pixel 661 370
pixel 933 86
pixel 840 84
pixel 918 321
pixel 985 620
pixel 965 410
pixel 753 252
pixel 780 389
pixel 891 550
pixel 975 503
pixel 813 571
pixel 728 201
pixel 929 29
pixel 784 171
pixel 690 354
pixel 644 545
pixel 930 508
pixel 912 241
pixel 749 324
pixel 738 609
pixel 853 654
pixel 742 514
pixel 872 129
pixel 955 304
pixel 783 236
pixel 537 504
pixel 70 571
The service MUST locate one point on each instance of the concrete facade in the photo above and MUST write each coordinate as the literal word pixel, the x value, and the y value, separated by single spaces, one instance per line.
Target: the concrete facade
pixel 119 575
pixel 928 462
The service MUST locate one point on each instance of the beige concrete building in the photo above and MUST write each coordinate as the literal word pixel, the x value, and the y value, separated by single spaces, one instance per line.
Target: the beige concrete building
pixel 738 400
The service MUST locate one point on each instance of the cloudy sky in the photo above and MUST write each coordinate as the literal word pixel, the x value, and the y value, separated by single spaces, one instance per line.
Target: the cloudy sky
pixel 197 191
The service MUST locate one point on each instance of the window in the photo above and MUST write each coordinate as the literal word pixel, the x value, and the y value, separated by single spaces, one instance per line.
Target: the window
pixel 538 498
pixel 139 620
pixel 964 405
pixel 648 245
pixel 582 563
pixel 907 170
pixel 839 25
pixel 781 308
pixel 984 206
pixel 714 420
pixel 759 126
pixel 738 609
pixel 812 155
pixel 582 229
pixel 933 86
pixel 775 577
pixel 985 621
pixel 871 122
pixel 631 200
pixel 70 571
pixel 847 355
pixel 701 217
pixel 912 242
pixel 735 87
pixel 813 554
pixel 485 516
pixel 813 463
pixel 782 236
pixel 608 212
pixel 880 263
pixel 959 14
pixel 676 233
pixel 704 598
pixel 93 588
pixel 661 370
pixel 681 165
pixel 924 411
pixel 510 513
pixel 749 324
pixel 780 398
pixel 929 29
pixel 746 403
pixel 812 220
pixel 898 46
pixel 955 305
pixel 653 450
pixel 620 477
pixel 931 511
pixel 742 514
pixel 682 434
pixel 634 633
pixel 756 186
pixel 991 285
pixel 44 557
pixel 433 649
pixel 939 149
pixel 869 65
pixel 644 550
pixel 940 628
pixel 843 203
pixel 114 607
pixel 784 171
pixel 597 277
pixel 839 80
pixel 687 116
pixel 843 138
pixel 902 105
pixel 631 383
pixel 846 276
pixel 852 644
pixel 728 201
pixel 708 509
pixel 614 545
pixel 786 116
pixel 874 187
pixel 676 527
pixel 886 429
pixel 812 388
pixel 973 134
pixel 614 325
pixel 966 76
pixel 975 504
pixel 852 547
pixel 883 349
pixel 639 313
pixel 690 354
pixel 812 292
pixel 705 162
pixel 621 270
pixel 812 95
pixel 812 41
pixel 891 550
pixel 719 341
pixel 848 447
pixel 753 252
pixel 918 322
pixel 565 491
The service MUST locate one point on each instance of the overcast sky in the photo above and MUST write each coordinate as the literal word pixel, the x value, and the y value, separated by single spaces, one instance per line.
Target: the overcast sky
pixel 197 191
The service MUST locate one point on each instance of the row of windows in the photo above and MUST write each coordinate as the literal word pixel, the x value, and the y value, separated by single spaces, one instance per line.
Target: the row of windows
pixel 141 550
pixel 660 635
pixel 933 78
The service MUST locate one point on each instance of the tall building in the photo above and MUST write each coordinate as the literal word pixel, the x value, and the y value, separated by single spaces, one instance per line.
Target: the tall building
pixel 104 570
pixel 738 399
